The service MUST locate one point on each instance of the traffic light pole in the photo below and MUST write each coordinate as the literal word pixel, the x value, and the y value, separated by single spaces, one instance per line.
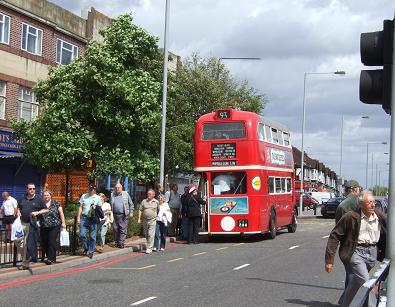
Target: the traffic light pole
pixel 390 251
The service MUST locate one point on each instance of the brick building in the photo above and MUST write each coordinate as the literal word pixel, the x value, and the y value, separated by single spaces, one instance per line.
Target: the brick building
pixel 34 35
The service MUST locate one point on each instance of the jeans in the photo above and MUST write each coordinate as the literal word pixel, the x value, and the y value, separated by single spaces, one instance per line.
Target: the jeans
pixel 102 228
pixel 160 235
pixel 85 226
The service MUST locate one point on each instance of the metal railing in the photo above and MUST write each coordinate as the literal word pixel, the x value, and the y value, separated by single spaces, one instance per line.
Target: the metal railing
pixel 8 251
pixel 377 275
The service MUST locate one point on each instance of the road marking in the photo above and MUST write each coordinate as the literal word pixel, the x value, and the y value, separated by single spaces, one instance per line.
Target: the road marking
pixel 237 244
pixel 242 266
pixel 142 268
pixel 198 254
pixel 143 301
pixel 292 247
pixel 324 237
pixel 221 248
pixel 176 259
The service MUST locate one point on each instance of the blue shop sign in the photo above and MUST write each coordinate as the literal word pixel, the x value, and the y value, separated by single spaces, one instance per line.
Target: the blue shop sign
pixel 7 143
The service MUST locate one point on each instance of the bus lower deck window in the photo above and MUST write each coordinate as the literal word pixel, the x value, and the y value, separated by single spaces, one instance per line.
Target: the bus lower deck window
pixel 229 183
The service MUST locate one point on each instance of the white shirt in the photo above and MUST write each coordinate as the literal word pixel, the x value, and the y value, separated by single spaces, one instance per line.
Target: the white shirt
pixel 369 233
pixel 164 214
pixel 9 205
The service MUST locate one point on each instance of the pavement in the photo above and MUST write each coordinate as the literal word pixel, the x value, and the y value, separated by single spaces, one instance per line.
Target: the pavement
pixel 134 244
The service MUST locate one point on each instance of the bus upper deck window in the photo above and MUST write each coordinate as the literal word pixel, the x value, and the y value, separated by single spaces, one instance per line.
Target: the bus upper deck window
pixel 268 133
pixel 286 139
pixel 280 138
pixel 261 132
pixel 220 131
pixel 275 135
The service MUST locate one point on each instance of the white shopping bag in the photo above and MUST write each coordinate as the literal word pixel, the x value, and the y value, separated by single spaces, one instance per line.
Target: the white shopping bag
pixel 16 229
pixel 64 238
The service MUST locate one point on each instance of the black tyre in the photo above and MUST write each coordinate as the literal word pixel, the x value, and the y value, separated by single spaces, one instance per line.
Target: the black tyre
pixel 292 227
pixel 272 226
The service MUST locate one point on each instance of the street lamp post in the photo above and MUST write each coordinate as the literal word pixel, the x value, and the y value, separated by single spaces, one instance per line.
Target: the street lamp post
pixel 341 73
pixel 164 96
pixel 367 159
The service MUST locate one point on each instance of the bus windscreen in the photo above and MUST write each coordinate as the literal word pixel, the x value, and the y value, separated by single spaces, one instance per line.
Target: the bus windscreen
pixel 219 131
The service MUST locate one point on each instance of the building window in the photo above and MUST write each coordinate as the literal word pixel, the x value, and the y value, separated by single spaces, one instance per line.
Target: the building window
pixel 4 29
pixel 65 52
pixel 31 39
pixel 28 107
pixel 2 99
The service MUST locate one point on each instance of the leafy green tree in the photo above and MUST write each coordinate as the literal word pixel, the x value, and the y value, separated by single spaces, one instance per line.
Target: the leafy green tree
pixel 199 87
pixel 104 106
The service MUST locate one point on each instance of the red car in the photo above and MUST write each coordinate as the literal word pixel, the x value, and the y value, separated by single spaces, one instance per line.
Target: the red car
pixel 309 202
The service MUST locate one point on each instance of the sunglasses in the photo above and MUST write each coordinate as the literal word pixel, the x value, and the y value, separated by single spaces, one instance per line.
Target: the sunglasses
pixel 31 188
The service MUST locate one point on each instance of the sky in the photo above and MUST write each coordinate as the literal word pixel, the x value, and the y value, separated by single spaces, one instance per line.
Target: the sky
pixel 291 38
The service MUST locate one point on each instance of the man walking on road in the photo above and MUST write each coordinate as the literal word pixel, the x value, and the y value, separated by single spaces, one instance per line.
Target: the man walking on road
pixel 122 208
pixel 148 211
pixel 29 207
pixel 173 198
pixel 88 203
pixel 351 202
pixel 358 233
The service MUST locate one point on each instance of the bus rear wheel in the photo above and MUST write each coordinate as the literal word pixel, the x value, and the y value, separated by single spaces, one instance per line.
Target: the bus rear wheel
pixel 272 226
pixel 292 227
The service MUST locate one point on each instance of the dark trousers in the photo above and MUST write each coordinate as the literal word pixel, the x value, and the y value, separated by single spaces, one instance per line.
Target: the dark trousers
pixel 193 231
pixel 120 228
pixel 49 238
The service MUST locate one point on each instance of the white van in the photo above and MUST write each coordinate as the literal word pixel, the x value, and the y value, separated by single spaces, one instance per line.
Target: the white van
pixel 322 197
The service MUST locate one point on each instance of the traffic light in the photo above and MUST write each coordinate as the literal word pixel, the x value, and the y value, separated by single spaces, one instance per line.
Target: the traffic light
pixel 375 86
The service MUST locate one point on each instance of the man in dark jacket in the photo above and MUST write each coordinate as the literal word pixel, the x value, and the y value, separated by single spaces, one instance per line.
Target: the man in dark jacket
pixel 29 207
pixel 352 190
pixel 358 233
pixel 184 205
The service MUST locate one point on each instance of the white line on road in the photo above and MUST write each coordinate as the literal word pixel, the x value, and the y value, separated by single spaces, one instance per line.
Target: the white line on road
pixel 242 266
pixel 237 244
pixel 221 248
pixel 142 268
pixel 292 247
pixel 176 259
pixel 324 237
pixel 143 301
pixel 198 254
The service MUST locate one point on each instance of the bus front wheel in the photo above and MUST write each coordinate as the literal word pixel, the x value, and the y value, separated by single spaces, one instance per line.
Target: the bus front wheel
pixel 272 226
pixel 292 227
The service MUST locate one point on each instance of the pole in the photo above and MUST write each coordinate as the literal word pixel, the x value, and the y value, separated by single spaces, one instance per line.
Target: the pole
pixel 367 165
pixel 164 96
pixel 376 186
pixel 372 173
pixel 341 147
pixel 390 251
pixel 302 159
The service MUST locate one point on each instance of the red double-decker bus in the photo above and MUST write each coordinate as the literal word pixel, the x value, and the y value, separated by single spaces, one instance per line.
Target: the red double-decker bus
pixel 247 173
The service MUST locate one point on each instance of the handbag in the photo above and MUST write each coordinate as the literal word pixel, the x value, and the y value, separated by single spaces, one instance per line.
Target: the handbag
pixel 64 238
pixel 17 229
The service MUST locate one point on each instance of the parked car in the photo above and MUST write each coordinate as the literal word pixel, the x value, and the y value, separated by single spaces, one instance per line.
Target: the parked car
pixel 309 202
pixel 382 203
pixel 322 197
pixel 329 208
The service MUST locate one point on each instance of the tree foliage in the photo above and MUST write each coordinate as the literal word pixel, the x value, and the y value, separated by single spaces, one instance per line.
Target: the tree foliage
pixel 104 106
pixel 199 87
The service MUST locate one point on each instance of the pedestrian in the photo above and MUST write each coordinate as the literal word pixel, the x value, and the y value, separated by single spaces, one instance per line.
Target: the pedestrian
pixel 352 190
pixel 184 217
pixel 85 218
pixel 8 209
pixel 50 224
pixel 105 222
pixel 163 219
pixel 159 190
pixel 173 198
pixel 148 212
pixel 194 214
pixel 29 207
pixel 358 232
pixel 122 208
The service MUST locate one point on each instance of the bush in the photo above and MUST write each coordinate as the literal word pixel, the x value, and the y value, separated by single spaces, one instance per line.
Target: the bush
pixel 134 229
pixel 71 209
